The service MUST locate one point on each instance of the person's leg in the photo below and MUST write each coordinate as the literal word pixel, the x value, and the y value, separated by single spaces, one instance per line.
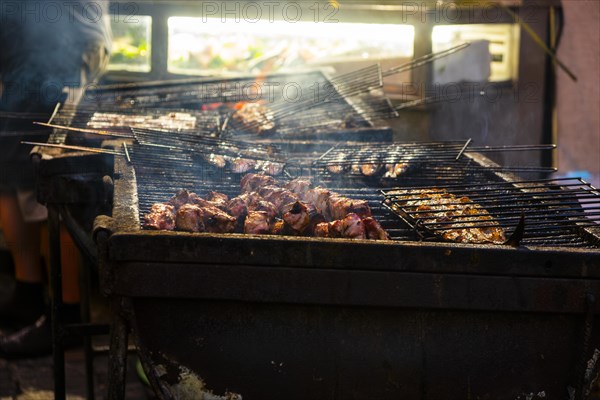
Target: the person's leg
pixel 36 339
pixel 24 302
pixel 23 240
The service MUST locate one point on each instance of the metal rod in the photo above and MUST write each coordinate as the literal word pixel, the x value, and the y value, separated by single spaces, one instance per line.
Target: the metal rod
pixel 83 130
pixel 424 60
pixel 56 107
pixel 126 152
pixel 56 302
pixel 71 147
pixel 463 149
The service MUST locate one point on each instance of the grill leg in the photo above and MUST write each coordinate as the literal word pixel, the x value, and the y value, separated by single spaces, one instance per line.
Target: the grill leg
pixel 56 302
pixel 84 284
pixel 117 358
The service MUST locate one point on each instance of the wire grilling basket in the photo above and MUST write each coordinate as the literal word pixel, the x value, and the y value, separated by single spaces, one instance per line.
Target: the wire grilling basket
pixel 560 211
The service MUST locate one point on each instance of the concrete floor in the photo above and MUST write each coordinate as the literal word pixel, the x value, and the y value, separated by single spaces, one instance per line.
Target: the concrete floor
pixel 31 379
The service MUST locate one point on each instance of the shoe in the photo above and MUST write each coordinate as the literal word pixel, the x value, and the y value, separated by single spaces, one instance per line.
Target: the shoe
pixel 35 340
pixel 20 302
pixel 32 341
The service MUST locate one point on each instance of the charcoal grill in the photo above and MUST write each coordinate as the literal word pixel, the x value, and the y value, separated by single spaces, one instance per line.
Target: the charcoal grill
pixel 288 317
pixel 74 179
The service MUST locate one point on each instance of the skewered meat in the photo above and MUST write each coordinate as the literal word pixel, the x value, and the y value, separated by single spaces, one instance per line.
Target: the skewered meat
pixel 216 160
pixel 299 186
pixel 218 221
pixel 183 197
pixel 269 167
pixel 454 216
pixel 218 199
pixel 340 206
pixel 395 170
pixel 321 229
pixel 161 216
pixel 336 169
pixel 173 121
pixel 297 217
pixel 257 222
pixel 320 198
pixel 374 230
pixel 242 165
pixel 266 207
pixel 370 169
pixel 252 182
pixel 278 227
pixel 278 196
pixel 336 228
pixel 353 227
pixel 314 218
pixel 190 218
pixel 237 207
pixel 255 117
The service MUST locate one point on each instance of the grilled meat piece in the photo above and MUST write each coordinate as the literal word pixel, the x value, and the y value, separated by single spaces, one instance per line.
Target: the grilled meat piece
pixel 353 227
pixel 340 206
pixel 453 214
pixel 278 227
pixel 237 207
pixel 269 167
pixel 278 196
pixel 374 230
pixel 297 217
pixel 395 170
pixel 252 182
pixel 320 198
pixel 251 198
pixel 216 160
pixel 190 218
pixel 183 197
pixel 314 218
pixel 255 117
pixel 264 206
pixel 257 222
pixel 336 169
pixel 299 186
pixel 173 121
pixel 161 216
pixel 217 220
pixel 242 165
pixel 218 199
pixel 336 229
pixel 370 169
pixel 321 229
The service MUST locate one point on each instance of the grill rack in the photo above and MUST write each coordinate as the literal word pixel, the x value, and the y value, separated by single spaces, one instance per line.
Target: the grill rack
pixel 195 94
pixel 162 172
pixel 430 162
pixel 552 208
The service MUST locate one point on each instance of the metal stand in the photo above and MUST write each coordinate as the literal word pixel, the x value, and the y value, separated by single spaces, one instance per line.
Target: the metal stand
pixel 58 351
pixel 61 330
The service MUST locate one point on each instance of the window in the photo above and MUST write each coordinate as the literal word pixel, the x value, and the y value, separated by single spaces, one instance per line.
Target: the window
pixel 131 44
pixel 198 45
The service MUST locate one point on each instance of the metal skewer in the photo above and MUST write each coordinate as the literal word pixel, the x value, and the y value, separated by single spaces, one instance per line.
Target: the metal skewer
pixel 84 130
pixel 71 147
